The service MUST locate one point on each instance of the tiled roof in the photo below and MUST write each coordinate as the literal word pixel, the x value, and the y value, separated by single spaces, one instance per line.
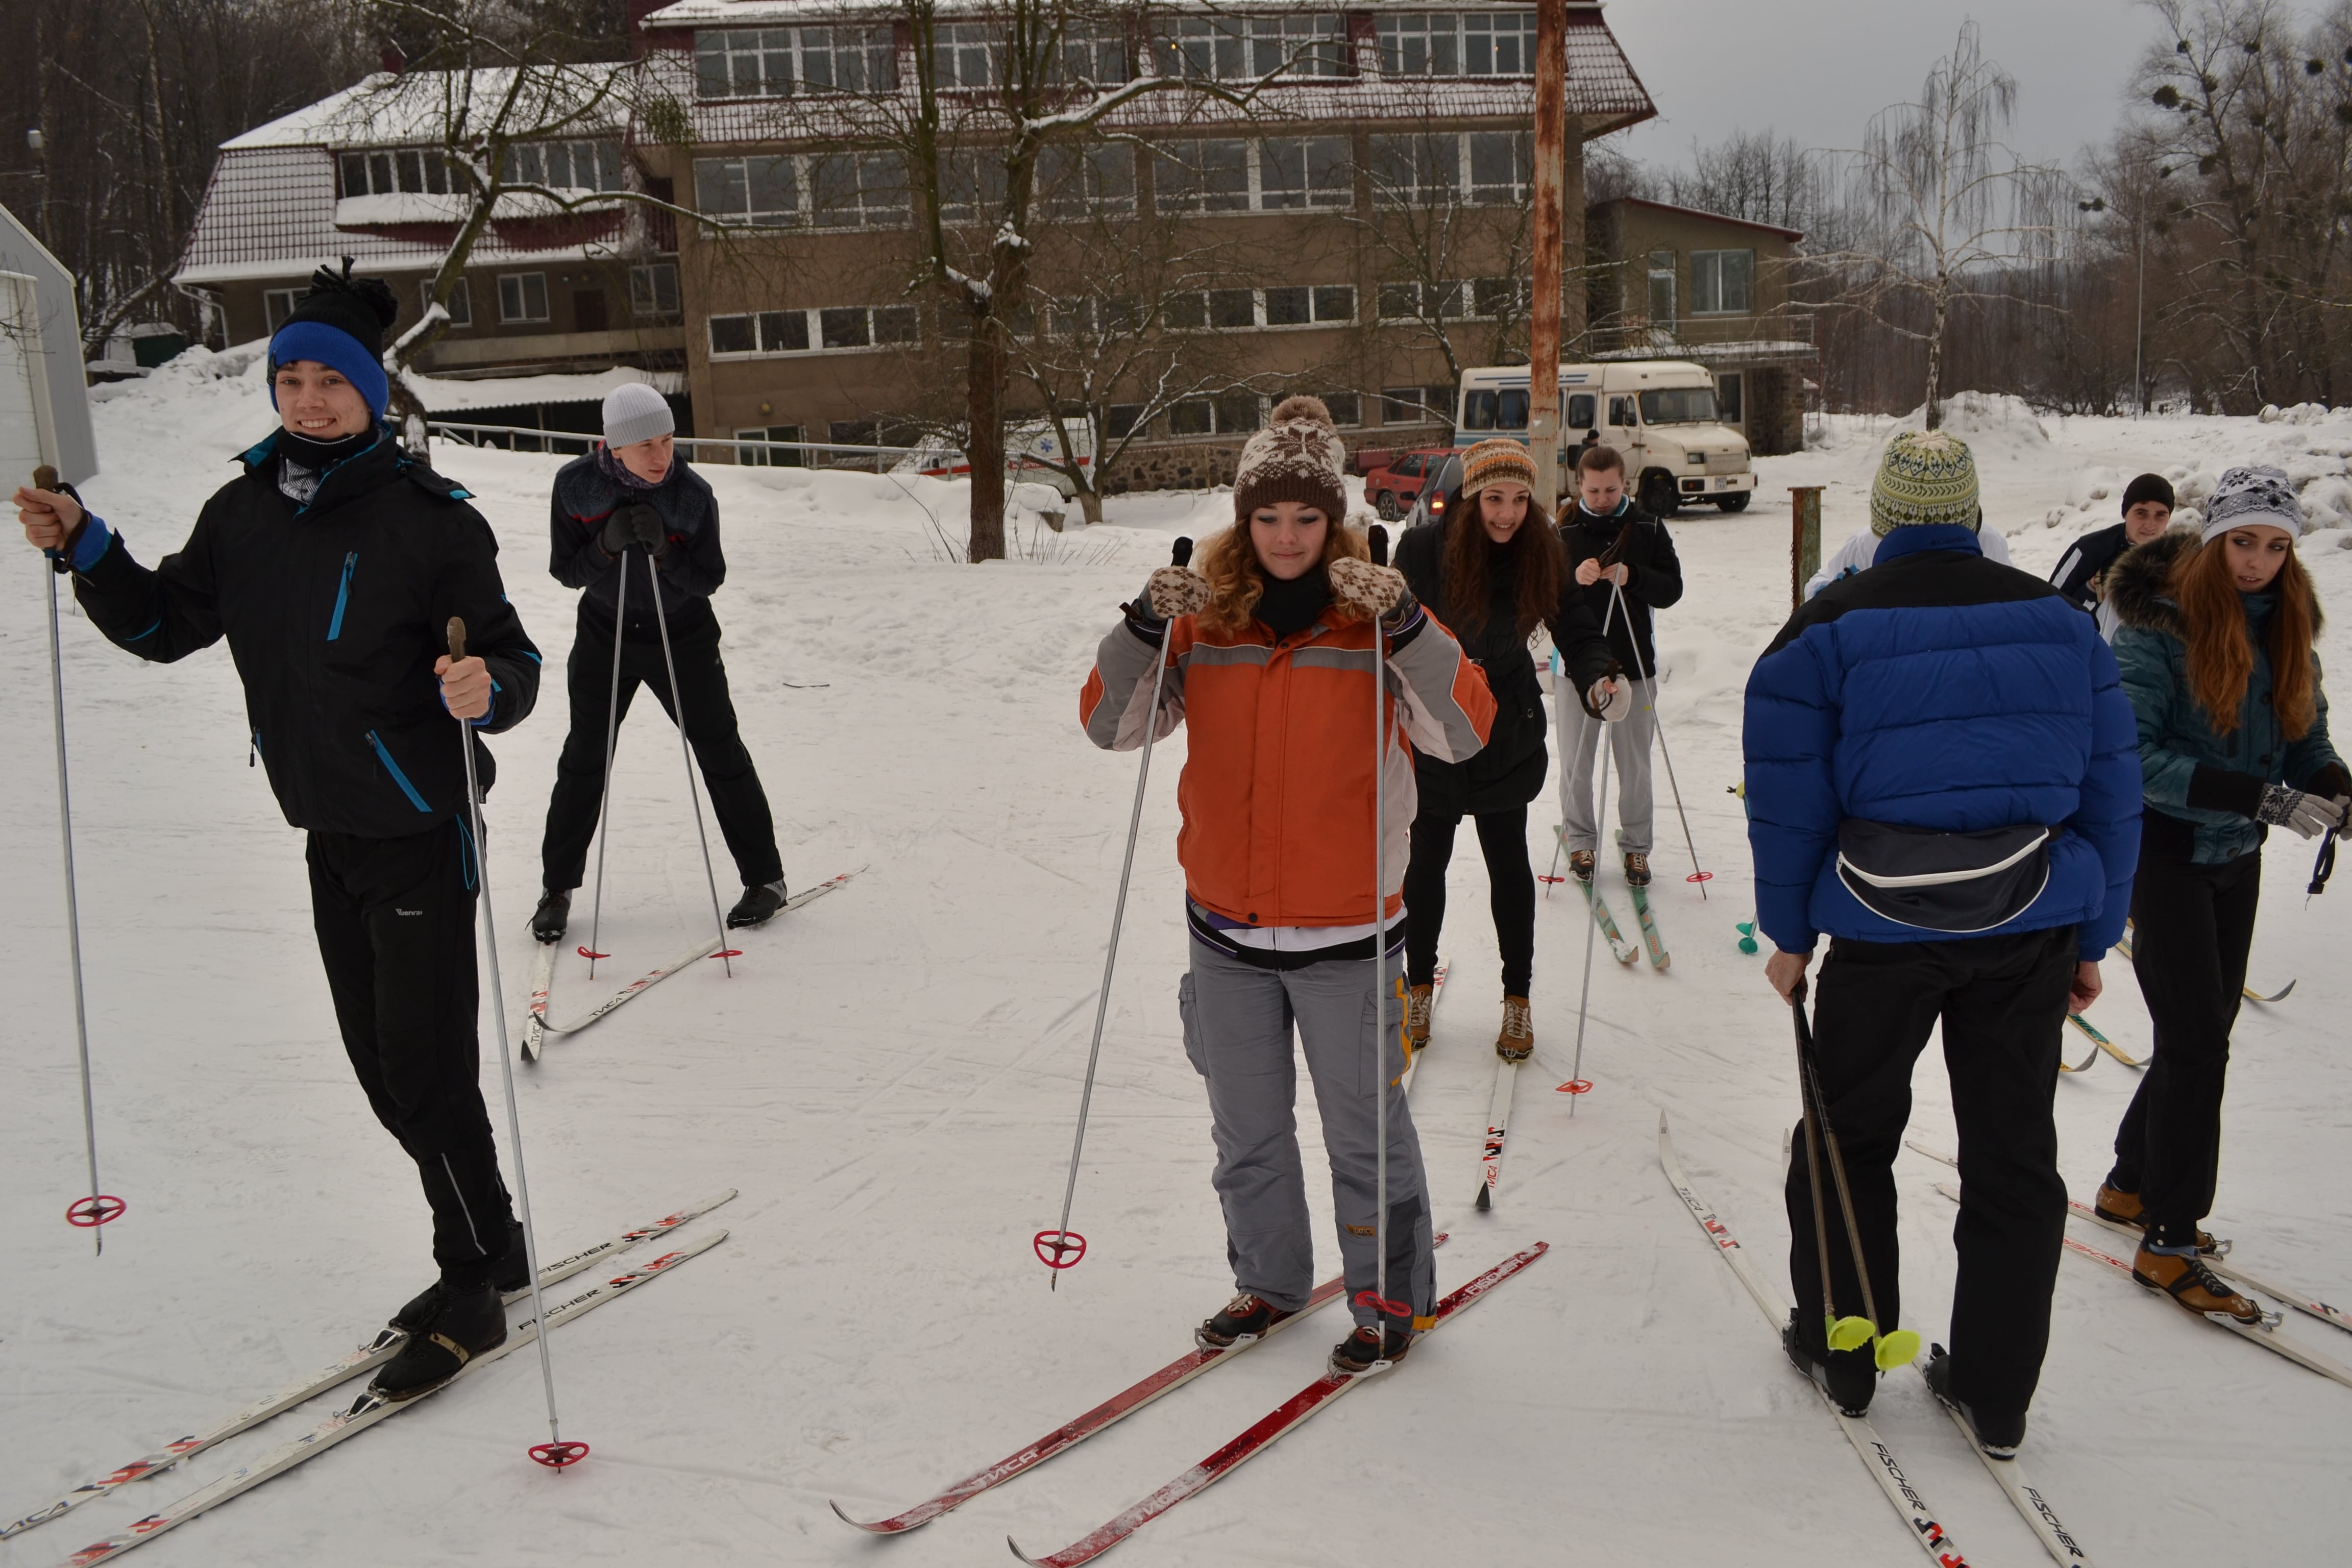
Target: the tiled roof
pixel 783 13
pixel 387 110
pixel 269 212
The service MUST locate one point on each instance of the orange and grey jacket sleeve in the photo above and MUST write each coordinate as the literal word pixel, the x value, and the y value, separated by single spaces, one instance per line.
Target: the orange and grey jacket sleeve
pixel 1443 702
pixel 1115 704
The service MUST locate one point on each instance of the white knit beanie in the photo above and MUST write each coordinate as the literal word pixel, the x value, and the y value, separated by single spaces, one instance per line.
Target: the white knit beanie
pixel 634 412
pixel 2254 495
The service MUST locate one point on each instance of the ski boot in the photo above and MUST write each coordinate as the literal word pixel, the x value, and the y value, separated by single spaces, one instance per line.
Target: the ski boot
pixel 511 1274
pixel 2125 1208
pixel 1418 1001
pixel 1240 1322
pixel 1998 1438
pixel 1516 1042
pixel 1579 864
pixel 470 1320
pixel 1848 1377
pixel 2182 1274
pixel 554 913
pixel 1637 868
pixel 757 906
pixel 1356 1354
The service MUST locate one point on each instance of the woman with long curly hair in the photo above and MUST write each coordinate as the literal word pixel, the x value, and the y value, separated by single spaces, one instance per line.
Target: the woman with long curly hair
pixel 2216 648
pixel 1493 571
pixel 1270 663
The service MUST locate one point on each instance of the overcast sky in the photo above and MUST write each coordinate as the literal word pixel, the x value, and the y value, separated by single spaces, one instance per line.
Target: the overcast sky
pixel 1818 69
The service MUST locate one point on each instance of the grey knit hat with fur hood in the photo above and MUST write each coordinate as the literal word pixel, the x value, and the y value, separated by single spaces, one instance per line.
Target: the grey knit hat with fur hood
pixel 1296 457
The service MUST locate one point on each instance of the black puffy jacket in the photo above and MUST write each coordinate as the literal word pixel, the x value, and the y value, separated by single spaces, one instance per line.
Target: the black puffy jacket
pixel 335 612
pixel 1509 771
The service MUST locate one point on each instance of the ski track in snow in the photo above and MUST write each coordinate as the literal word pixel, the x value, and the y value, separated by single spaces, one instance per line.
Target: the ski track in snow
pixel 890 1079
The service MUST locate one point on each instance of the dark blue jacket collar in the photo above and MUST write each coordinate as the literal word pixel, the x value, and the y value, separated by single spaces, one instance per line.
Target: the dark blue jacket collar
pixel 1926 536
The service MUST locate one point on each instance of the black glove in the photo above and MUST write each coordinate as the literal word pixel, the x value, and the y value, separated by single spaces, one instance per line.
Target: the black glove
pixel 650 530
pixel 618 533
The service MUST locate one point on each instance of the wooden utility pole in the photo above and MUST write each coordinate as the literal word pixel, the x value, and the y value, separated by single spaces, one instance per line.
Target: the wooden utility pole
pixel 1543 324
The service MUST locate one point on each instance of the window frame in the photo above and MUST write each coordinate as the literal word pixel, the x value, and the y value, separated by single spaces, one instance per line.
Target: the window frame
pixel 1392 35
pixel 774 335
pixel 460 303
pixel 1261 310
pixel 872 47
pixel 601 153
pixel 1227 48
pixel 523 283
pixel 649 274
pixel 1708 276
pixel 270 301
pixel 1176 192
pixel 806 177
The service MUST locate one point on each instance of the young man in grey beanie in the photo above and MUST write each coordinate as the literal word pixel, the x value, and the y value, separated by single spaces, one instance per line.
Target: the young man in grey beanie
pixel 634 505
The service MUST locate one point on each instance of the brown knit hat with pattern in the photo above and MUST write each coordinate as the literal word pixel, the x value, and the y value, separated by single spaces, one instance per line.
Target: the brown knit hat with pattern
pixel 1497 458
pixel 1296 457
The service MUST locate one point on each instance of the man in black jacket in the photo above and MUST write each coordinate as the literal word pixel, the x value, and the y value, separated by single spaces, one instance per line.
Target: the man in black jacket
pixel 634 505
pixel 2081 574
pixel 1610 543
pixel 333 565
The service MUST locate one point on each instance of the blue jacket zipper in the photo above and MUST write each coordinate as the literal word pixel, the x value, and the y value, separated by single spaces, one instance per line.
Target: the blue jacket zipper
pixel 384 756
pixel 342 598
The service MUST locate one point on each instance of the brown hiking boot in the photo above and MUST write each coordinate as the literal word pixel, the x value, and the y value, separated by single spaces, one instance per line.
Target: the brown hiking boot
pixel 1516 1042
pixel 1417 1001
pixel 1637 868
pixel 2125 1208
pixel 2196 1287
pixel 1579 864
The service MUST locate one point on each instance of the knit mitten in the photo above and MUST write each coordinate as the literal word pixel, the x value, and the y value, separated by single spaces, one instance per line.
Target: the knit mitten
pixel 1366 590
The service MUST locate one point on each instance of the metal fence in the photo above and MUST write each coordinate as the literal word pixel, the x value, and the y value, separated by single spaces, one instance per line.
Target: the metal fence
pixel 761 454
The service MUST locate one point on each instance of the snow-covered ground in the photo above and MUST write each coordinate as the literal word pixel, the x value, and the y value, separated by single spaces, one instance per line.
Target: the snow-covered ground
pixel 890 1079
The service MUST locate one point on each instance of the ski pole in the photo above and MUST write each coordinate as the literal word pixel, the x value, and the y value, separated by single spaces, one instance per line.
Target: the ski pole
pixel 98 1208
pixel 1592 888
pixel 693 788
pixel 1891 1347
pixel 1050 1245
pixel 555 1452
pixel 1698 875
pixel 1384 1309
pixel 594 950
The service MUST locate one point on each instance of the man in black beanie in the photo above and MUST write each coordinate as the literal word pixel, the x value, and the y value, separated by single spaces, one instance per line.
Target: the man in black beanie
pixel 333 564
pixel 2081 572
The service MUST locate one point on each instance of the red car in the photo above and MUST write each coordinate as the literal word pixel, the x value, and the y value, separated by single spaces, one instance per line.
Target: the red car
pixel 1392 490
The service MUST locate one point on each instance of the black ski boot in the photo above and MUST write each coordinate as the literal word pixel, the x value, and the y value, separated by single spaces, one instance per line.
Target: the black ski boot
pixel 511 1275
pixel 1354 1356
pixel 469 1323
pixel 1998 1436
pixel 1239 1322
pixel 1848 1377
pixel 554 913
pixel 757 905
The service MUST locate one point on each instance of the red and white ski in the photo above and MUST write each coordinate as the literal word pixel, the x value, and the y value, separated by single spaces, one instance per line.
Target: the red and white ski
pixel 1319 1396
pixel 1110 1412
pixel 537 1025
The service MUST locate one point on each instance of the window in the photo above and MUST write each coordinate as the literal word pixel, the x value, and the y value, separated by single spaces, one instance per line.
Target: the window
pixel 805 332
pixel 564 165
pixel 1290 306
pixel 1074 181
pixel 1233 306
pixel 460 303
pixel 1243 48
pixel 1496 298
pixel 1336 302
pixel 1421 301
pixel 652 291
pixel 1288 173
pixel 1412 404
pixel 853 432
pixel 1480 168
pixel 1191 416
pixel 1503 408
pixel 1621 413
pixel 1450 43
pixel 749 190
pixel 1721 281
pixel 1583 411
pixel 420 169
pixel 1230 309
pixel 1679 405
pixel 775 62
pixel 1347 408
pixel 1091 316
pixel 522 297
pixel 837 190
pixel 276 304
pixel 766 458
pixel 1237 412
pixel 1095 52
pixel 1728 390
pixel 1122 419
pixel 967 54
pixel 857 190
pixel 1662 289
pixel 1184 313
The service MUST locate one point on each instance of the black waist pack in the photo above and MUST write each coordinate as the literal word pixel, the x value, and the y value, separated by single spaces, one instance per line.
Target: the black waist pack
pixel 1956 883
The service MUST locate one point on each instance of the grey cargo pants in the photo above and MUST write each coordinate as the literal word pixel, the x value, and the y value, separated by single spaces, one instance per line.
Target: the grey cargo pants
pixel 1237 1030
pixel 1628 740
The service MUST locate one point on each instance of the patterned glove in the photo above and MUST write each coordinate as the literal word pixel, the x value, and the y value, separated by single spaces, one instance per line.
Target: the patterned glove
pixel 1175 590
pixel 2308 815
pixel 1365 591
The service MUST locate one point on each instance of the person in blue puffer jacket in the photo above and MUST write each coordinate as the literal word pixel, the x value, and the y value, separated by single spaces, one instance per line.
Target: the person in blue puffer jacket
pixel 1942 778
pixel 2216 648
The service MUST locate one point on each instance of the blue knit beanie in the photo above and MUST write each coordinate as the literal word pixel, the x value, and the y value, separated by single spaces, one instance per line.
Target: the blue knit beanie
pixel 339 324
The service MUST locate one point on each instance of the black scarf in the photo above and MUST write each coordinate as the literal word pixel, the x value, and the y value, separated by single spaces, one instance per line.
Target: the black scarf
pixel 1289 608
pixel 319 456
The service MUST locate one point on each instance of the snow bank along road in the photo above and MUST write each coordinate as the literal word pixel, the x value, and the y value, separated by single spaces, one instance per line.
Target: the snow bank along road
pixel 889 1079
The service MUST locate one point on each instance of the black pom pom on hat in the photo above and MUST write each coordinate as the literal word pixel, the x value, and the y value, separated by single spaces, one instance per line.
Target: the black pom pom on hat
pixel 363 307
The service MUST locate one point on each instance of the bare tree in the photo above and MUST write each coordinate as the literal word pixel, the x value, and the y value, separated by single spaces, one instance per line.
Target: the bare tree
pixel 1948 207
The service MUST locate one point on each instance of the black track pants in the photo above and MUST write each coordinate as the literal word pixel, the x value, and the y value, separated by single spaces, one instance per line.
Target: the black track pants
pixel 1510 893
pixel 2191 928
pixel 736 797
pixel 2003 1001
pixel 396 924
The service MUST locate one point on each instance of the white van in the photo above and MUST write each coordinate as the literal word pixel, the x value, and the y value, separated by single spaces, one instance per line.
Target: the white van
pixel 1659 412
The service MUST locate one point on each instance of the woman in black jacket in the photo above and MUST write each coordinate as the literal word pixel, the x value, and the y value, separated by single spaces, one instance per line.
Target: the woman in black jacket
pixel 1492 572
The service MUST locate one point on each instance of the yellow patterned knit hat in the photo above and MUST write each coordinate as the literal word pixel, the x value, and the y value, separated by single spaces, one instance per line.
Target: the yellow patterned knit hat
pixel 1926 477
pixel 1497 458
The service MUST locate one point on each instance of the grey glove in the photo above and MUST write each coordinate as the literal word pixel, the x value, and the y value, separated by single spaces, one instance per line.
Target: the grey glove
pixel 2308 815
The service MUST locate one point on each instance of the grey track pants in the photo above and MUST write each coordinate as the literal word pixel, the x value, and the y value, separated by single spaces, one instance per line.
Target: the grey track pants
pixel 1237 1031
pixel 1629 740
